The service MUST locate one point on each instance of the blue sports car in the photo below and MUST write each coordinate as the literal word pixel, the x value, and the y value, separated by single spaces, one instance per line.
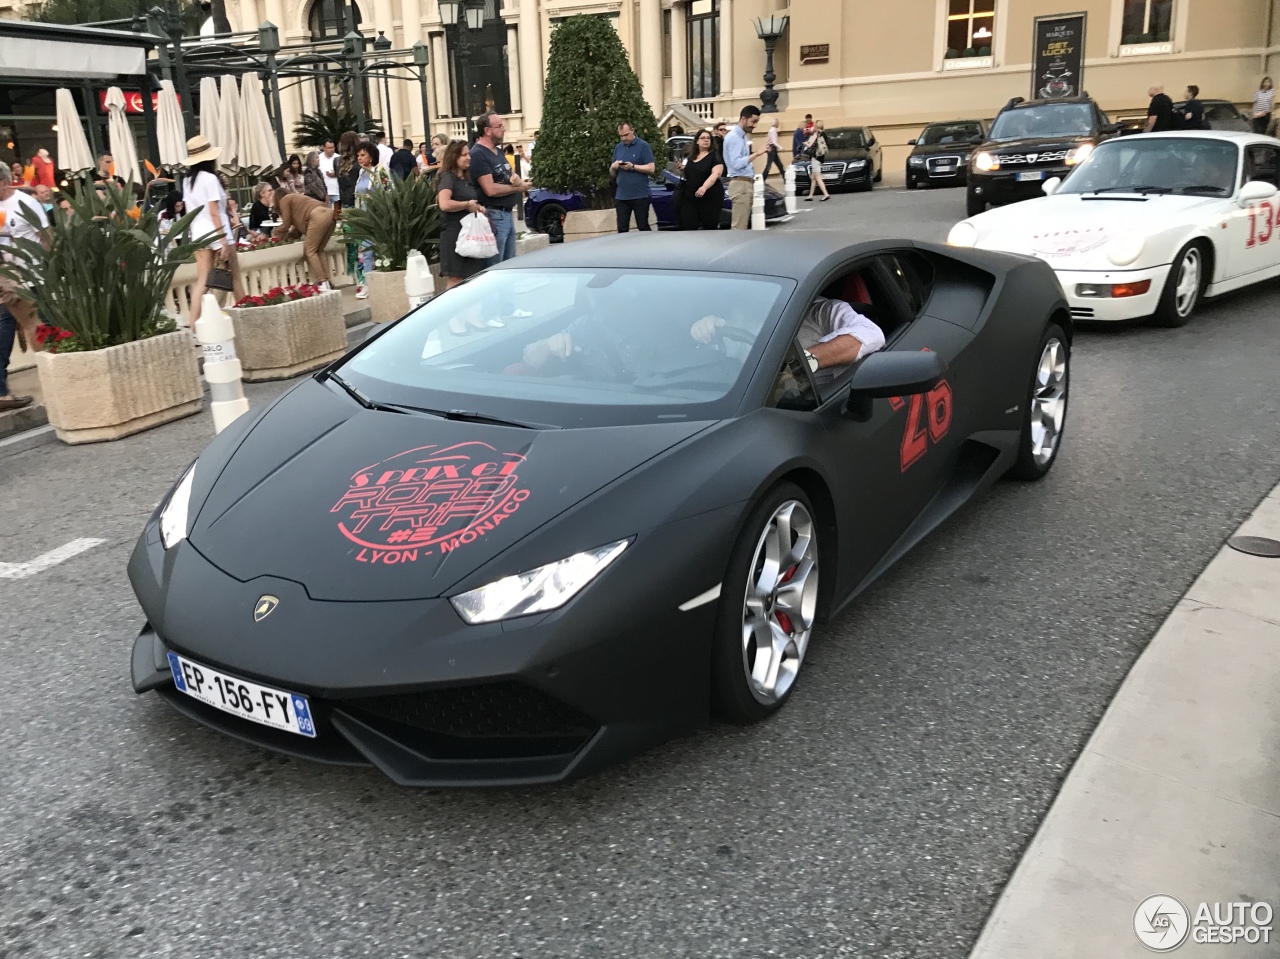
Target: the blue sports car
pixel 544 209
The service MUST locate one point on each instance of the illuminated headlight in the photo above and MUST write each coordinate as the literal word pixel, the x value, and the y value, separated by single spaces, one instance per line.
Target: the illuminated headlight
pixel 537 591
pixel 1125 249
pixel 1079 154
pixel 963 233
pixel 857 164
pixel 985 162
pixel 173 518
pixel 915 161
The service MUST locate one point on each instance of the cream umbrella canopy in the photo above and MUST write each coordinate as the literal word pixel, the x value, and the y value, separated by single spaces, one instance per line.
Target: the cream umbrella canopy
pixel 209 109
pixel 258 147
pixel 123 150
pixel 171 133
pixel 228 140
pixel 73 149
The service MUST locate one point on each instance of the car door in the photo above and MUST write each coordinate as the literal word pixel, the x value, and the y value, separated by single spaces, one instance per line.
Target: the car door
pixel 1255 231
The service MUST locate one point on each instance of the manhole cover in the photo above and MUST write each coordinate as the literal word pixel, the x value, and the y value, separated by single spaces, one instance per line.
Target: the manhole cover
pixel 1256 546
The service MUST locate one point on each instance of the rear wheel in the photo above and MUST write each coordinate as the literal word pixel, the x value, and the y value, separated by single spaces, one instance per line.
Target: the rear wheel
pixel 768 605
pixel 549 215
pixel 1046 415
pixel 1182 288
pixel 974 203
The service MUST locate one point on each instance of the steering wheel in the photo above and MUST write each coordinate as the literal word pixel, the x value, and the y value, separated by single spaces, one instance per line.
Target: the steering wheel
pixel 726 333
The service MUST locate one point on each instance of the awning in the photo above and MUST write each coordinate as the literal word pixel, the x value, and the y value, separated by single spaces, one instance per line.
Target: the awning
pixel 36 57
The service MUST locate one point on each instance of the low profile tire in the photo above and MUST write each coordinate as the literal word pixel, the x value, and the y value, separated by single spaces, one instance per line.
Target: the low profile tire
pixel 1046 407
pixel 1182 288
pixel 974 204
pixel 768 605
pixel 549 215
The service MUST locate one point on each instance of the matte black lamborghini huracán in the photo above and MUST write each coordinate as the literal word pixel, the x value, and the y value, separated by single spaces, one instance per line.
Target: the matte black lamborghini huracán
pixel 539 524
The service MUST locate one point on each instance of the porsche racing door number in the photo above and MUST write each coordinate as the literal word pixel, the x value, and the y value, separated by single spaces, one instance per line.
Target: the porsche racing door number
pixel 1263 221
pixel 928 419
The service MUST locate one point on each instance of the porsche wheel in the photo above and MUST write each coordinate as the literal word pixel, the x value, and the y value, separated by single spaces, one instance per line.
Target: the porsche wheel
pixel 767 607
pixel 1182 288
pixel 1046 414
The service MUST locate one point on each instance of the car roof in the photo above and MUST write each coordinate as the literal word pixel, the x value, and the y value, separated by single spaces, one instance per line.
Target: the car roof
pixel 943 123
pixel 1238 136
pixel 790 255
pixel 1039 103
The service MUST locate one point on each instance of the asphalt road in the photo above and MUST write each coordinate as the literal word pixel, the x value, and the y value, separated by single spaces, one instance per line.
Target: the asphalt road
pixel 878 815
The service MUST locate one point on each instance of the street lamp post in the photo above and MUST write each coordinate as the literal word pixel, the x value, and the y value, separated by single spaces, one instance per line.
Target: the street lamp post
pixel 472 20
pixel 382 45
pixel 269 44
pixel 769 29
pixel 420 60
pixel 353 52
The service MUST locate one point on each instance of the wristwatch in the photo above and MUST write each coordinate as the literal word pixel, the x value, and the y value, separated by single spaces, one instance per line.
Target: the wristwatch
pixel 812 361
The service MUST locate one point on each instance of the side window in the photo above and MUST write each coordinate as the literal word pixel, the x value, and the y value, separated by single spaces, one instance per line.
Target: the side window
pixel 793 387
pixel 1263 163
pixel 913 276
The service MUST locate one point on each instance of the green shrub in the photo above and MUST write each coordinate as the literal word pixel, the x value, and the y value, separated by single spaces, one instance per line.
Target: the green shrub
pixel 312 129
pixel 397 219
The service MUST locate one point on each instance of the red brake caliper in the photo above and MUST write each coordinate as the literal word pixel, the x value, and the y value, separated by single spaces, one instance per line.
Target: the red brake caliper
pixel 783 619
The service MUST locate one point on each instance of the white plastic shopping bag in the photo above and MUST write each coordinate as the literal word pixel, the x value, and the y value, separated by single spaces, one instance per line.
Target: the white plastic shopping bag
pixel 476 239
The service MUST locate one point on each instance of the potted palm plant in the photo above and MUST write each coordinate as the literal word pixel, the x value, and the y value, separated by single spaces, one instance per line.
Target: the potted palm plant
pixel 115 364
pixel 395 220
pixel 288 330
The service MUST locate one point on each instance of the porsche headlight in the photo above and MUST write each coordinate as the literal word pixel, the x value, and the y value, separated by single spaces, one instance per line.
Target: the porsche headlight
pixel 173 518
pixel 537 591
pixel 1125 249
pixel 963 233
pixel 985 162
pixel 1079 154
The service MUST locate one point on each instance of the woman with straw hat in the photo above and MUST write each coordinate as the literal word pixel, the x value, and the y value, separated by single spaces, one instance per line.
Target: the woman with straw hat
pixel 203 193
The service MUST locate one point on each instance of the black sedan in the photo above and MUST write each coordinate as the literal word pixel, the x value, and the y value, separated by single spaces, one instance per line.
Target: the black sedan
pixel 940 155
pixel 854 161
pixel 583 501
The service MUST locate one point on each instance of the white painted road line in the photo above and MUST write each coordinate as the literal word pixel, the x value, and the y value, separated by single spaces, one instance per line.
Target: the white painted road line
pixel 47 560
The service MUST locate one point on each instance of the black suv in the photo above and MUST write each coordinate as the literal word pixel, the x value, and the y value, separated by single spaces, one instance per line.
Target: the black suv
pixel 1030 142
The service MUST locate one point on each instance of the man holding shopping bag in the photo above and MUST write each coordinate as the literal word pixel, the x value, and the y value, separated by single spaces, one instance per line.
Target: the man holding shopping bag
pixel 499 187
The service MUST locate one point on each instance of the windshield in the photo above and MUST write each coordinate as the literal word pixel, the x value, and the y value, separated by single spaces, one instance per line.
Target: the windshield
pixel 845 138
pixel 1190 165
pixel 943 133
pixel 577 347
pixel 1044 120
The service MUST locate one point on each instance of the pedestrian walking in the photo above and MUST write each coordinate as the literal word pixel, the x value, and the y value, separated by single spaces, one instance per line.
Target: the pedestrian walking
pixel 631 168
pixel 771 148
pixel 21 217
pixel 290 177
pixel 738 160
pixel 372 176
pixel 313 179
pixel 348 173
pixel 1193 110
pixel 1159 111
pixel 815 148
pixel 402 162
pixel 329 171
pixel 203 193
pixel 1263 101
pixel 457 196
pixel 313 221
pixel 701 193
pixel 498 185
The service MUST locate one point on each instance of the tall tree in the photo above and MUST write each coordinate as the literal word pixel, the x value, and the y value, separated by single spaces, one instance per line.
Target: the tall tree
pixel 97 11
pixel 590 90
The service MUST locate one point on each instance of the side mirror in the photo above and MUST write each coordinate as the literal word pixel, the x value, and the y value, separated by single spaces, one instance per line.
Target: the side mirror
pixel 1112 128
pixel 1050 186
pixel 895 374
pixel 975 140
pixel 1255 191
pixel 911 143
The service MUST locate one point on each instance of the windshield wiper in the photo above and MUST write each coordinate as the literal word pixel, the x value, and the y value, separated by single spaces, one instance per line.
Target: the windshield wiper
pixel 464 416
pixel 354 393
pixel 1133 189
pixel 1204 188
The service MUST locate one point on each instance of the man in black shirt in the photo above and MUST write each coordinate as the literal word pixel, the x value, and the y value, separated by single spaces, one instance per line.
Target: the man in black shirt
pixel 1159 112
pixel 402 161
pixel 1193 110
pixel 499 187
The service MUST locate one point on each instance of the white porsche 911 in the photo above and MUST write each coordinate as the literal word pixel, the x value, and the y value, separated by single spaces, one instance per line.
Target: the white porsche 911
pixel 1149 224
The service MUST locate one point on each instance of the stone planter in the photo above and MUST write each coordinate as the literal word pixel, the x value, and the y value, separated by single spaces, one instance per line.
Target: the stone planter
pixel 588 224
pixel 528 242
pixel 121 390
pixel 387 298
pixel 279 342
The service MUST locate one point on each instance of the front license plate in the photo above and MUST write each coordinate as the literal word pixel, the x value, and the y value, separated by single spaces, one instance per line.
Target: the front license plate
pixel 260 704
pixel 945 168
pixel 1031 175
pixel 831 176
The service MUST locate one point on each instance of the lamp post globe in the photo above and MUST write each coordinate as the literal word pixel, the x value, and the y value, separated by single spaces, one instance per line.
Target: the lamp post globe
pixel 770 29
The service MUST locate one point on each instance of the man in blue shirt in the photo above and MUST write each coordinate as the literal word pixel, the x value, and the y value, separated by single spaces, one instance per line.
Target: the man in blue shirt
pixel 801 134
pixel 737 165
pixel 631 167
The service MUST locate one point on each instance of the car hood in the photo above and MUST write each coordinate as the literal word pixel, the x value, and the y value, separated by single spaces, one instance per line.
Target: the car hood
pixel 1072 231
pixel 358 504
pixel 932 149
pixel 1028 145
pixel 846 154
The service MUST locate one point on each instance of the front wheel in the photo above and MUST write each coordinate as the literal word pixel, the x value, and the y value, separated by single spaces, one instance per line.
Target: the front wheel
pixel 768 605
pixel 1046 414
pixel 974 204
pixel 1182 288
pixel 550 216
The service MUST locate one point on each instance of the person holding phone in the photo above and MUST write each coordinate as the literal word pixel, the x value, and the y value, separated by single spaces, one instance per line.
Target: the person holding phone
pixel 631 168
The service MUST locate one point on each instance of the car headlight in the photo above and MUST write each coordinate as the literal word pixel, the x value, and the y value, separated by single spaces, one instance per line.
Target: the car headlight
pixel 985 162
pixel 857 164
pixel 537 591
pixel 1079 154
pixel 173 518
pixel 915 161
pixel 963 233
pixel 1125 249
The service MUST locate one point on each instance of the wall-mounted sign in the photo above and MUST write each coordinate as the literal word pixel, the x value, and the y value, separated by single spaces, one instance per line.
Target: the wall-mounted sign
pixel 816 53
pixel 1058 58
pixel 132 101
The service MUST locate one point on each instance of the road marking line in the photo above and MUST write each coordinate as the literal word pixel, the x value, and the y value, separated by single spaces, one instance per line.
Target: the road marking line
pixel 47 560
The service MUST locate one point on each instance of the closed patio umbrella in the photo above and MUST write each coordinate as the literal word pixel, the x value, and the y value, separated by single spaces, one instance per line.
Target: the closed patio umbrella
pixel 171 135
pixel 209 110
pixel 123 150
pixel 73 149
pixel 258 147
pixel 228 141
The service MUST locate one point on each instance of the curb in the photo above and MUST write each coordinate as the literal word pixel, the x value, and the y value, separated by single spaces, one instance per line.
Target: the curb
pixel 26 440
pixel 1176 793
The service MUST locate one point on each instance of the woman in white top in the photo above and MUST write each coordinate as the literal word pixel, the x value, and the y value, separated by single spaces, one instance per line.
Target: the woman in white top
pixel 202 192
pixel 1263 101
pixel 772 148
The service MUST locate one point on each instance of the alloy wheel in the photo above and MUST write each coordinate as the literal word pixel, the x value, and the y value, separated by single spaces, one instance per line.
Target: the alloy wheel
pixel 1048 401
pixel 1187 290
pixel 781 602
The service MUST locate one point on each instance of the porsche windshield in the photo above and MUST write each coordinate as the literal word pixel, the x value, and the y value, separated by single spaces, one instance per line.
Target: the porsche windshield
pixel 1196 166
pixel 939 134
pixel 1044 120
pixel 566 346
